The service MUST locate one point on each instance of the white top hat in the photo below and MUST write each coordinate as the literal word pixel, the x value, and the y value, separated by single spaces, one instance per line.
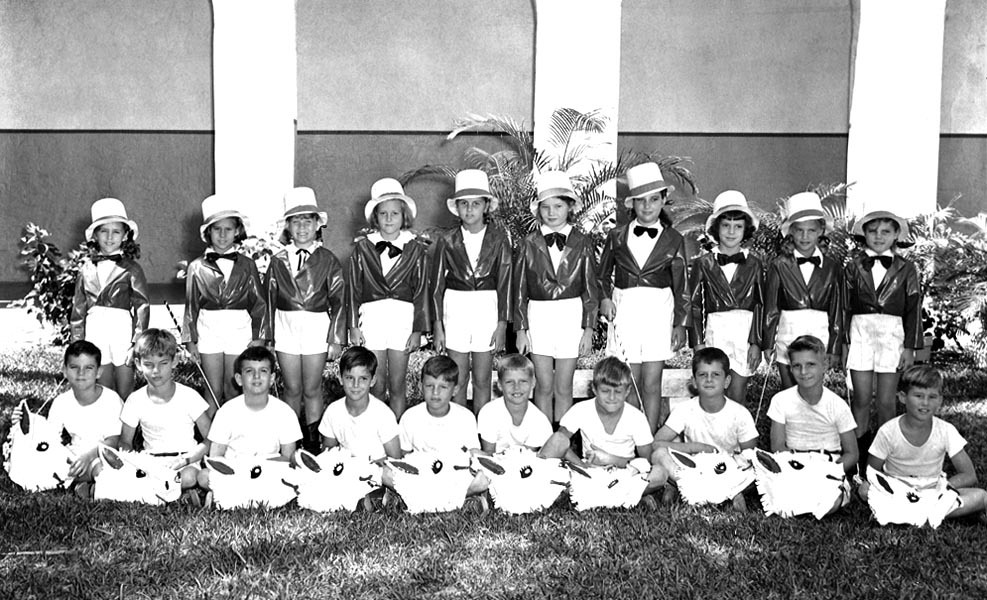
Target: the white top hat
pixel 109 210
pixel 554 184
pixel 471 183
pixel 216 208
pixel 645 179
pixel 903 233
pixel 730 201
pixel 301 201
pixel 805 206
pixel 388 189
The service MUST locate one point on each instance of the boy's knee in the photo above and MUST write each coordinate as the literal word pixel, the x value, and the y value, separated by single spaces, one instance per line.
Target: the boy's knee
pixel 190 477
pixel 202 479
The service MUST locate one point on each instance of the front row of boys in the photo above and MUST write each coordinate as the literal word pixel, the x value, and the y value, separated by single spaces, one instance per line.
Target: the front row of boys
pixel 805 418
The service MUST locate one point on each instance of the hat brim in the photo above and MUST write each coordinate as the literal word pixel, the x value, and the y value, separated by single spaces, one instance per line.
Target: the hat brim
pixel 806 215
pixel 368 210
pixel 451 202
pixel 648 189
pixel 903 231
pixel 732 208
pixel 104 220
pixel 307 210
pixel 223 214
pixel 576 206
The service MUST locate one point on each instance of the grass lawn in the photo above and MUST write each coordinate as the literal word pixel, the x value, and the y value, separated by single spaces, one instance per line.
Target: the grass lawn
pixel 54 545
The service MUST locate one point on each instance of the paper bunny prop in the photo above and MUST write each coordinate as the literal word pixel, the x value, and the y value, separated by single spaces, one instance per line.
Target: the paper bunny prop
pixel 608 487
pixel 246 482
pixel 432 482
pixel 893 500
pixel 711 477
pixel 521 482
pixel 797 483
pixel 37 459
pixel 135 477
pixel 333 480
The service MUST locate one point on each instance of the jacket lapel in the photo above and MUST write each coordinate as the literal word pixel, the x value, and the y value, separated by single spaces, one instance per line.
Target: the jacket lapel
pixel 661 248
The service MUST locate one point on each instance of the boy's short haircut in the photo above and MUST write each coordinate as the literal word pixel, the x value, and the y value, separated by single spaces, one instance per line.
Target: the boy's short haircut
pixel 708 356
pixel 441 367
pixel 611 371
pixel 154 342
pixel 515 362
pixel 732 215
pixel 806 343
pixel 80 347
pixel 358 356
pixel 407 221
pixel 254 354
pixel 920 376
pixel 880 220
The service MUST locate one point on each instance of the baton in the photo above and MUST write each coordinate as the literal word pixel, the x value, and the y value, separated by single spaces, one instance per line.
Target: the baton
pixel 215 399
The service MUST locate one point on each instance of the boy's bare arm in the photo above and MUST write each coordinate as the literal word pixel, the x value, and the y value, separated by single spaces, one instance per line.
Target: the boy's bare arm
pixel 851 454
pixel 966 474
pixel 217 450
pixel 393 448
pixel 202 424
pixel 287 450
pixel 666 436
pixel 778 443
pixel 127 437
pixel 557 445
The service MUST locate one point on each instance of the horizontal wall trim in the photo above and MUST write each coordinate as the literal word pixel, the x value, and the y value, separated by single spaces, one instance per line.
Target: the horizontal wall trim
pixel 119 131
pixel 347 132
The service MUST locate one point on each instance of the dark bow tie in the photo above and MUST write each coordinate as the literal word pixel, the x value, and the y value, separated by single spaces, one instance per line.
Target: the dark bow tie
pixel 214 256
pixel 884 260
pixel 303 255
pixel 815 260
pixel 726 259
pixel 556 239
pixel 640 230
pixel 392 250
pixel 110 257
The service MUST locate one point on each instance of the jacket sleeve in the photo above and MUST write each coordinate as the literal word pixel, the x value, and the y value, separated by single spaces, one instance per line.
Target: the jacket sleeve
pixel 353 288
pixel 837 314
pixel 140 302
pixel 849 290
pixel 519 284
pixel 605 272
pixel 697 300
pixel 772 287
pixel 912 320
pixel 682 313
pixel 260 316
pixel 271 281
pixel 80 309
pixel 423 297
pixel 437 279
pixel 505 270
pixel 336 288
pixel 591 287
pixel 190 329
pixel 757 307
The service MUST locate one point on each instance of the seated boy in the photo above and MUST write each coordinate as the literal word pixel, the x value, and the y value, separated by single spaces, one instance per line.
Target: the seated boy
pixel 360 422
pixel 513 420
pixel 810 418
pixel 709 423
pixel 167 412
pixel 613 431
pixel 253 424
pixel 912 447
pixel 441 430
pixel 89 412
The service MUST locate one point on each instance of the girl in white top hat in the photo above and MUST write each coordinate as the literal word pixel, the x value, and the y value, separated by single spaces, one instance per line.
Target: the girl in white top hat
pixel 110 307
pixel 387 289
pixel 225 304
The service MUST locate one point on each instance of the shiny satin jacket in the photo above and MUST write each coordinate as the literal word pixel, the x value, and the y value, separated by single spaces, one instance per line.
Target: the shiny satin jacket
pixel 407 281
pixel 711 292
pixel 451 269
pixel 534 277
pixel 785 289
pixel 900 294
pixel 317 287
pixel 207 289
pixel 126 288
pixel 665 268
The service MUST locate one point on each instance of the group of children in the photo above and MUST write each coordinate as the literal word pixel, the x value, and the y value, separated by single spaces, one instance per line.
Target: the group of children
pixel 467 289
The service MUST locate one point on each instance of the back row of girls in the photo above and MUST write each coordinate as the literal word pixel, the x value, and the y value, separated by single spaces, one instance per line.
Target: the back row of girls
pixel 391 291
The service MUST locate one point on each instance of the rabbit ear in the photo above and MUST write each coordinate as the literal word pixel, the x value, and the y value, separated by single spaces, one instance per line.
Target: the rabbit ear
pixel 883 482
pixel 220 466
pixel 683 460
pixel 768 461
pixel 110 458
pixel 25 418
pixel 307 460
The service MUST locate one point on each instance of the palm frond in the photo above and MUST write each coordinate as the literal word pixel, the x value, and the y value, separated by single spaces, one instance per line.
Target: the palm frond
pixel 439 172
pixel 516 133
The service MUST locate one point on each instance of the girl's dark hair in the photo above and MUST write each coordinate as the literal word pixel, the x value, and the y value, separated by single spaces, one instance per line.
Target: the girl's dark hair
pixel 664 217
pixel 570 218
pixel 862 240
pixel 732 215
pixel 241 231
pixel 407 221
pixel 486 210
pixel 285 237
pixel 129 248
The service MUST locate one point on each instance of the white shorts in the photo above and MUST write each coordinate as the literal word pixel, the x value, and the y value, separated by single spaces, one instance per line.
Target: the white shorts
pixel 795 323
pixel 729 331
pixel 642 326
pixel 386 324
pixel 555 327
pixel 112 331
pixel 301 332
pixel 470 319
pixel 876 343
pixel 224 331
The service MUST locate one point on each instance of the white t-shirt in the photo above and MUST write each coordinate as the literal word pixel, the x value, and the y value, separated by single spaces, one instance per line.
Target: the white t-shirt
pixel 167 426
pixel 362 435
pixel 88 425
pixel 254 432
pixel 811 427
pixel 497 427
pixel 632 429
pixel 725 429
pixel 421 432
pixel 902 459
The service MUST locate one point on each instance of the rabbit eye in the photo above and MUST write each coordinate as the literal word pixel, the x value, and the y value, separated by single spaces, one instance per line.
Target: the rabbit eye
pixel 912 497
pixel 43 447
pixel 796 465
pixel 141 474
pixel 338 469
pixel 437 466
pixel 525 471
pixel 720 468
pixel 255 472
